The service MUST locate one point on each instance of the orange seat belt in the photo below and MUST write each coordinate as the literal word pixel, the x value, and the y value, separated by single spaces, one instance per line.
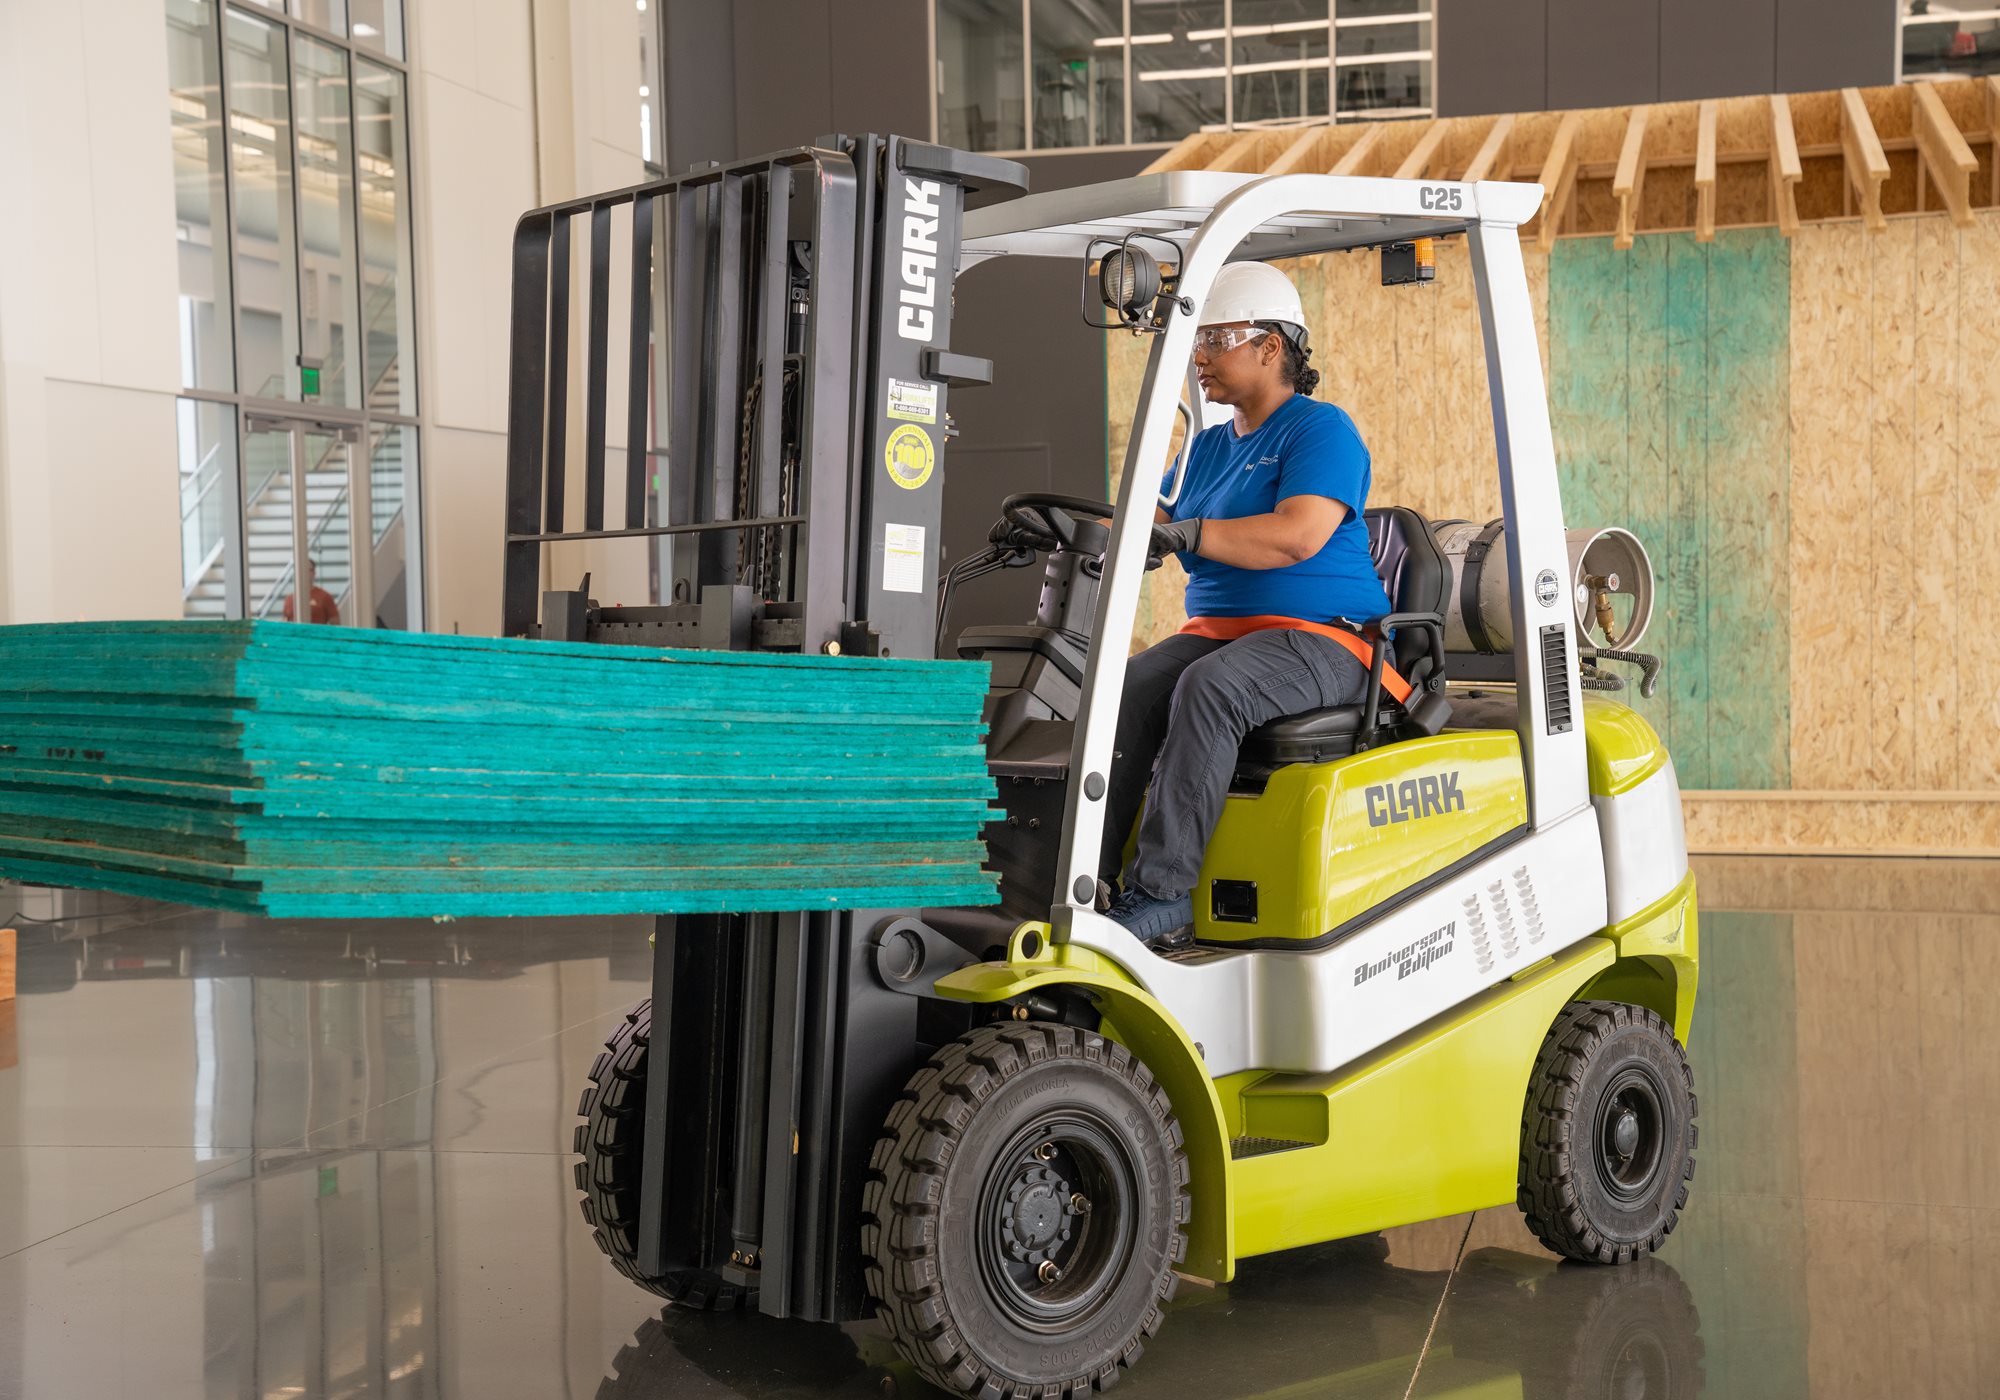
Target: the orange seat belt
pixel 1228 629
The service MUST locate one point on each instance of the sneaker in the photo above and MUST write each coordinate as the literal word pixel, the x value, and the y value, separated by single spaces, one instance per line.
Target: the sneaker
pixel 1161 924
pixel 1107 893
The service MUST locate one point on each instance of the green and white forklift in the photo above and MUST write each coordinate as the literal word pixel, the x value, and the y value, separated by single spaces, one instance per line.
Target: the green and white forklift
pixel 1446 949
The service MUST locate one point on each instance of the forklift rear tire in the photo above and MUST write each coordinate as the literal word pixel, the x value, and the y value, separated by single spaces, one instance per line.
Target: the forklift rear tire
pixel 610 1140
pixel 1023 1212
pixel 1608 1134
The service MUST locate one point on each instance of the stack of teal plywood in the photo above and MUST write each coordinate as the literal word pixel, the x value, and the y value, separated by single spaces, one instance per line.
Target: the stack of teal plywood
pixel 306 771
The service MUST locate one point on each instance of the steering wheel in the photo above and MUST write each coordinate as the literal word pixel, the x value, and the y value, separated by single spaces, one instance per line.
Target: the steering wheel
pixel 1042 520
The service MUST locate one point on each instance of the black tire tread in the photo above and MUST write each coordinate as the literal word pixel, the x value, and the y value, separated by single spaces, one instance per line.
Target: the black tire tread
pixel 1547 1192
pixel 608 1143
pixel 901 1194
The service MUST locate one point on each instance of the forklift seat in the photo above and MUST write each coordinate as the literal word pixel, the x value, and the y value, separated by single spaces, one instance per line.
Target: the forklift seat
pixel 1418 581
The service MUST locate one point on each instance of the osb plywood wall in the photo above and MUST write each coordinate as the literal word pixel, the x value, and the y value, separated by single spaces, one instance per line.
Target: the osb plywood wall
pixel 1806 434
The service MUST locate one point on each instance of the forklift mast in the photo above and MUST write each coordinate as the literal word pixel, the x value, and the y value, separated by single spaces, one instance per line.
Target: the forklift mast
pixel 788 359
pixel 787 336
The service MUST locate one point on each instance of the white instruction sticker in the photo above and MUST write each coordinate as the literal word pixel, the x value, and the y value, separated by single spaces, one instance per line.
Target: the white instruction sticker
pixel 913 401
pixel 903 558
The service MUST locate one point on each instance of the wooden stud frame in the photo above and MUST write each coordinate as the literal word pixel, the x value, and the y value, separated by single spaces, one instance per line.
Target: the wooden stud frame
pixel 1867 163
pixel 1945 153
pixel 1804 142
pixel 1628 185
pixel 1786 171
pixel 1704 172
pixel 1558 179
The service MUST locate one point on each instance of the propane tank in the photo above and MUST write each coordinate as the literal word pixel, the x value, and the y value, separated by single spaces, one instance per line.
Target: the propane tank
pixel 1604 566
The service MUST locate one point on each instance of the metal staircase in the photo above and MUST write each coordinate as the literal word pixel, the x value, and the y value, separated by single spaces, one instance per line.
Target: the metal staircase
pixel 267 539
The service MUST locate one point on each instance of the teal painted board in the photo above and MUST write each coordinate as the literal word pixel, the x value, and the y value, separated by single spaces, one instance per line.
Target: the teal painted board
pixel 1682 566
pixel 1589 320
pixel 1669 394
pixel 1647 492
pixel 310 770
pixel 1748 623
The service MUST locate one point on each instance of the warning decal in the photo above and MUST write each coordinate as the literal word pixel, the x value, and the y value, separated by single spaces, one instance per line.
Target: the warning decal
pixel 903 558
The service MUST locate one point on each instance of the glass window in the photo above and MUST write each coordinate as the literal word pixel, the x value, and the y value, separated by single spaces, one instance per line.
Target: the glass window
pixel 378 25
pixel 392 459
pixel 1103 72
pixel 200 195
pixel 329 575
pixel 207 443
pixel 330 15
pixel 1179 69
pixel 1279 58
pixel 980 97
pixel 388 308
pixel 1390 87
pixel 326 220
pixel 1941 41
pixel 291 157
pixel 652 125
pixel 1382 57
pixel 1079 72
pixel 260 143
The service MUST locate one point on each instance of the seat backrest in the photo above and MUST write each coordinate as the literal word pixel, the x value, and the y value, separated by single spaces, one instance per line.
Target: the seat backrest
pixel 1413 571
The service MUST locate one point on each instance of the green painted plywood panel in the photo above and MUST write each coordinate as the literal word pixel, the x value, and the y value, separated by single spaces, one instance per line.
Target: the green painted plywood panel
pixel 1669 393
pixel 1749 510
pixel 1648 489
pixel 307 770
pixel 1589 322
pixel 1680 562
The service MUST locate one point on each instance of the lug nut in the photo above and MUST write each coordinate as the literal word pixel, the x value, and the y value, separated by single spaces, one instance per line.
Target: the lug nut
pixel 1047 1151
pixel 1080 1203
pixel 1050 1272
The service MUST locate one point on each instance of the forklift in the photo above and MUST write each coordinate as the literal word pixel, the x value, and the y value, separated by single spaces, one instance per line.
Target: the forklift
pixel 1446 947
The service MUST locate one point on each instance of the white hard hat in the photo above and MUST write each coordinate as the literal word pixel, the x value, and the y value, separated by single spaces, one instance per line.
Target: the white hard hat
pixel 1253 291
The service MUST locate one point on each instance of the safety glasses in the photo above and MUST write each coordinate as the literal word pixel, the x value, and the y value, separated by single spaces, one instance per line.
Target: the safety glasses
pixel 1211 341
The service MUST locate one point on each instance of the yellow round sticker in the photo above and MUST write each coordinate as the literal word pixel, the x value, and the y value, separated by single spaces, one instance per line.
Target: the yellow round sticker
pixel 909 456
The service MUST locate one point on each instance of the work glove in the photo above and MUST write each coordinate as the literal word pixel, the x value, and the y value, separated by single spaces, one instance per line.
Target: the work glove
pixel 1177 537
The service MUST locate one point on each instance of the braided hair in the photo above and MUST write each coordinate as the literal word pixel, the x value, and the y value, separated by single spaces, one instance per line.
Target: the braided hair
pixel 1300 375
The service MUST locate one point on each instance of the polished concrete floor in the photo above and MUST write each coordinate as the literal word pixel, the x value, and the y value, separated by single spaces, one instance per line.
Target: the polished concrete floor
pixel 242 1160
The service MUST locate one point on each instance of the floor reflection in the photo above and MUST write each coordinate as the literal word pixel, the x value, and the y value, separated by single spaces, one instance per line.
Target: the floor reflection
pixel 331 1160
pixel 1338 1320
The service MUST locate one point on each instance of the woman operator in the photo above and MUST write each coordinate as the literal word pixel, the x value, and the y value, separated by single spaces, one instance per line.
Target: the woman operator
pixel 1269 527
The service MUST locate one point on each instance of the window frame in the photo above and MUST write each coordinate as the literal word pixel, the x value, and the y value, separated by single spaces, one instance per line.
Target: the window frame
pixel 1427 13
pixel 362 421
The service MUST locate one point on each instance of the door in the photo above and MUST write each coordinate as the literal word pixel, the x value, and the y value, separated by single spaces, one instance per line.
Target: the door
pixel 304 488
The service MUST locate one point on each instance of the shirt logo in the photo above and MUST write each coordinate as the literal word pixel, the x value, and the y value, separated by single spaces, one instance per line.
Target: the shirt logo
pixel 1270 461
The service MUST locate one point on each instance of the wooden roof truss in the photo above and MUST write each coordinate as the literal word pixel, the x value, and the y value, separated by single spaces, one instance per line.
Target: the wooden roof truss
pixel 1734 162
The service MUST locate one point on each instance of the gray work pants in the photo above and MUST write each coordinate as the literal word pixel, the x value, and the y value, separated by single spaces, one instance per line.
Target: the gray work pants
pixel 1188 703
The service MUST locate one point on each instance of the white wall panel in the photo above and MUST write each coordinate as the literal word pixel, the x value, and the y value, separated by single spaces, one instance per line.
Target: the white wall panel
pixel 55 288
pixel 445 39
pixel 466 474
pixel 114 501
pixel 132 186
pixel 506 57
pixel 477 172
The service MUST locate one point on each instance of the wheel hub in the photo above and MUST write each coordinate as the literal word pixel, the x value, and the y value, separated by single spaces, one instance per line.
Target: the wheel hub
pixel 1625 1133
pixel 1036 1217
pixel 1631 1135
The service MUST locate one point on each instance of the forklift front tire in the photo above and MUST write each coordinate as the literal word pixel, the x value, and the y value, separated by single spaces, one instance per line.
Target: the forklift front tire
pixel 610 1139
pixel 1607 1134
pixel 1023 1212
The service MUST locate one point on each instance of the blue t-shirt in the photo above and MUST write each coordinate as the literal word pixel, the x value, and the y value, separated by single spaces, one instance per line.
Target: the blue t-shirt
pixel 1305 448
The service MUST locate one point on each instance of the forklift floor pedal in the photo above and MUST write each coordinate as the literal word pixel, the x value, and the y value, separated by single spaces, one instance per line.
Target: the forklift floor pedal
pixel 1242 1147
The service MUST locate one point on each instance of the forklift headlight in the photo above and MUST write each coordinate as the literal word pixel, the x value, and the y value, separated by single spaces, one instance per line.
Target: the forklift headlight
pixel 1128 279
